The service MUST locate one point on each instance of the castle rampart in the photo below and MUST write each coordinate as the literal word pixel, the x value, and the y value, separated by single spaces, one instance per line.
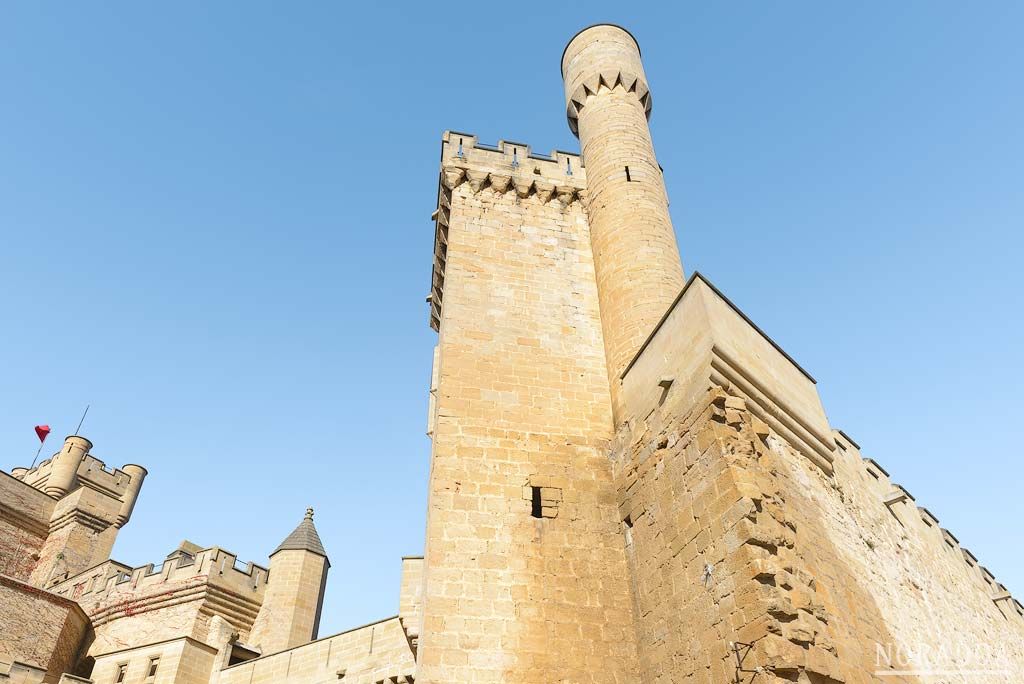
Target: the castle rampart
pixel 377 653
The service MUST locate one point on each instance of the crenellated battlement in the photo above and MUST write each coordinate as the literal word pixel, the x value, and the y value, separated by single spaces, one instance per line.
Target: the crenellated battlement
pixel 503 168
pixel 512 164
pixel 903 506
pixel 73 468
pixel 92 472
pixel 218 565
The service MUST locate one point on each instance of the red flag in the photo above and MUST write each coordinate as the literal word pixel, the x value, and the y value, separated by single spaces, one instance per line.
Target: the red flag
pixel 42 431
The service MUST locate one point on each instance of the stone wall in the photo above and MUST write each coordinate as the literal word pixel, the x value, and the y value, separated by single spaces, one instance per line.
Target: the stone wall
pixel 372 654
pixel 942 609
pixel 24 523
pixel 760 546
pixel 40 628
pixel 177 661
pixel 81 534
pixel 13 671
pixel 131 607
pixel 733 570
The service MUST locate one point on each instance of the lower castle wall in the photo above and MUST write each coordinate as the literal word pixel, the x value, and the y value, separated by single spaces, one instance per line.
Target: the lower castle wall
pixel 745 554
pixel 938 608
pixel 40 628
pixel 732 570
pixel 127 624
pixel 181 661
pixel 375 653
pixel 133 606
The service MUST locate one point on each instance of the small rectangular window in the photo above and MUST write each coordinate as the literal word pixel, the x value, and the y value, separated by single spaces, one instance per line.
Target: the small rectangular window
pixel 153 663
pixel 628 177
pixel 538 509
pixel 122 672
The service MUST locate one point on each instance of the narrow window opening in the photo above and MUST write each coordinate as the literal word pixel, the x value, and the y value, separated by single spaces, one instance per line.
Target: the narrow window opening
pixel 153 664
pixel 122 671
pixel 628 177
pixel 537 509
pixel 241 654
pixel 628 522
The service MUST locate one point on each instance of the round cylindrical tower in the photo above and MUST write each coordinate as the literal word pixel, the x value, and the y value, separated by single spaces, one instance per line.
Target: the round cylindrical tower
pixel 136 475
pixel 636 259
pixel 64 466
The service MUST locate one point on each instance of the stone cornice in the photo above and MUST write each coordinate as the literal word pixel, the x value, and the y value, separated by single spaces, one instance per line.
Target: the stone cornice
pixel 81 517
pixel 523 184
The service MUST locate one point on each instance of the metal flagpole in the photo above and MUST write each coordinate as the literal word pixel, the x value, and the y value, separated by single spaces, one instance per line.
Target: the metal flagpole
pixel 38 451
pixel 83 419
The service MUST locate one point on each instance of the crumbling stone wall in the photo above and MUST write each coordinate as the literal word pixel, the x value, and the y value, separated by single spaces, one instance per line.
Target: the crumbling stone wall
pixel 731 570
pixel 748 559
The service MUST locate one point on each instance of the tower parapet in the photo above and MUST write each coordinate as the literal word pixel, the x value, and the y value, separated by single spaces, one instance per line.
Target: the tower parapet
pixel 505 167
pixel 73 467
pixel 636 259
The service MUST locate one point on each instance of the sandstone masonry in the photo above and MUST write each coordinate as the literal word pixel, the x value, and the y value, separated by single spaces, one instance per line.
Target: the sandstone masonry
pixel 630 481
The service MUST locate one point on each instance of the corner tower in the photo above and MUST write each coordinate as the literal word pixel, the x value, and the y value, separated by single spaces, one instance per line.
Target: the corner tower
pixel 636 260
pixel 290 614
pixel 71 519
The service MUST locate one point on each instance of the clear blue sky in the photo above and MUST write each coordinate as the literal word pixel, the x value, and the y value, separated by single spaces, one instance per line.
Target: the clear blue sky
pixel 215 229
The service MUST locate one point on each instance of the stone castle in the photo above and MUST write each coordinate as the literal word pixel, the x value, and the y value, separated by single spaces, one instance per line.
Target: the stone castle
pixel 630 481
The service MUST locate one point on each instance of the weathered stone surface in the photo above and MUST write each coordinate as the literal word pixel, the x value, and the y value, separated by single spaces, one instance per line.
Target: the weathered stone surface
pixel 40 629
pixel 630 482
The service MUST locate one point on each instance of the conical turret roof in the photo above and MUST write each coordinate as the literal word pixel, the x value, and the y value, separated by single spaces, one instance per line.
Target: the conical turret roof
pixel 303 538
